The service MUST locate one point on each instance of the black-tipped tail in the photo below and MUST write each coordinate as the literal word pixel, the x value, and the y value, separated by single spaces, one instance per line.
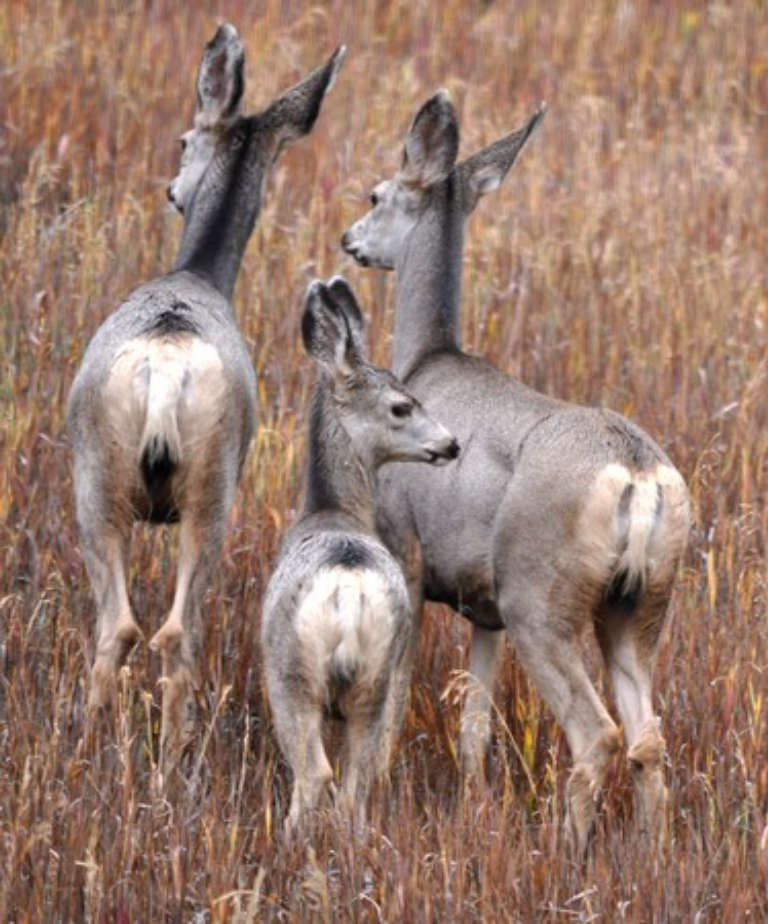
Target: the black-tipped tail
pixel 157 463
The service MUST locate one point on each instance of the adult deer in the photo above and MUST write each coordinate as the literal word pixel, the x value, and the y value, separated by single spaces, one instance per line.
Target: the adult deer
pixel 336 623
pixel 556 518
pixel 163 407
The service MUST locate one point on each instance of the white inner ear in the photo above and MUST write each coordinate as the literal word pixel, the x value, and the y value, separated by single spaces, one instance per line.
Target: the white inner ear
pixel 486 179
pixel 425 168
pixel 341 358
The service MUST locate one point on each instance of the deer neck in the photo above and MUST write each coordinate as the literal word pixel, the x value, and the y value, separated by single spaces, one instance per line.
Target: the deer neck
pixel 222 215
pixel 338 479
pixel 428 281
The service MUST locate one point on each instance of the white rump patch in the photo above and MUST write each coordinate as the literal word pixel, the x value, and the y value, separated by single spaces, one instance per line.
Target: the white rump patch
pixel 345 625
pixel 650 538
pixel 154 378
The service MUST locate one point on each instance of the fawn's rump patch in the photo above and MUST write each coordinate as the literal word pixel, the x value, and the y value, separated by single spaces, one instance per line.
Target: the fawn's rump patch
pixel 345 627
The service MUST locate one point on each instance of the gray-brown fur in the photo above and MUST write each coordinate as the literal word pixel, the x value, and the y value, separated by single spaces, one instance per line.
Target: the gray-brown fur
pixel 336 623
pixel 557 518
pixel 163 407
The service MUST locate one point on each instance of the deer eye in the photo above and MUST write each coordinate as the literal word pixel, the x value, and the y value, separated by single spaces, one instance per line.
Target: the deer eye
pixel 183 143
pixel 402 409
pixel 374 199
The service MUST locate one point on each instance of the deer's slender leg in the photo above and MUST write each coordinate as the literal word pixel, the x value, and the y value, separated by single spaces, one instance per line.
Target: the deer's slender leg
pixel 628 640
pixel 298 724
pixel 484 657
pixel 105 538
pixel 551 654
pixel 174 642
pixel 178 638
pixel 106 552
pixel 313 775
pixel 400 682
pixel 367 747
pixel 400 679
pixel 201 535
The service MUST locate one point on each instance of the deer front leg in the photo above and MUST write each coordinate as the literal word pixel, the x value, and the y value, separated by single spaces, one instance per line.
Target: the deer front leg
pixel 484 658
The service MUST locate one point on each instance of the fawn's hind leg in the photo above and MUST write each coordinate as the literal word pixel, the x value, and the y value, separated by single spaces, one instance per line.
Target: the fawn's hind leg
pixel 298 722
pixel 312 772
pixel 372 723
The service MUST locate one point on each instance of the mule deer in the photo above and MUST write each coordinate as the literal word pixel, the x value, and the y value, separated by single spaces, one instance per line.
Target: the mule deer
pixel 163 407
pixel 558 517
pixel 336 622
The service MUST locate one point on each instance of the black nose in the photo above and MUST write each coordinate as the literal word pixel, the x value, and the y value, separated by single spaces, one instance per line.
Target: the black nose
pixel 169 192
pixel 345 240
pixel 453 449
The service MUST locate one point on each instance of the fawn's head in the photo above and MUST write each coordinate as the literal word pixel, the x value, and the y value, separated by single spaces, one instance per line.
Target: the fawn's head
pixel 428 160
pixel 220 130
pixel 384 421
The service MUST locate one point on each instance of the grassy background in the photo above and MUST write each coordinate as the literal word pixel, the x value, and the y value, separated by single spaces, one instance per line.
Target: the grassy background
pixel 623 262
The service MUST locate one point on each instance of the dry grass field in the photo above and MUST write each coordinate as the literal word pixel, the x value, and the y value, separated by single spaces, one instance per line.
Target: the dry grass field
pixel 624 262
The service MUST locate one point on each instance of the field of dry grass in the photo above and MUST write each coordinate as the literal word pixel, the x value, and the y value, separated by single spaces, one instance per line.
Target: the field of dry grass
pixel 623 262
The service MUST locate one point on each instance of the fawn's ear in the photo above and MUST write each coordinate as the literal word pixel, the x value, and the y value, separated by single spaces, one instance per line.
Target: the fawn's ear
pixel 432 143
pixel 326 332
pixel 485 171
pixel 220 81
pixel 341 292
pixel 294 112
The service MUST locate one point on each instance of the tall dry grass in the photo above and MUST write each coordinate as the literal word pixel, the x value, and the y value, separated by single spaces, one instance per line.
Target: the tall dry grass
pixel 624 262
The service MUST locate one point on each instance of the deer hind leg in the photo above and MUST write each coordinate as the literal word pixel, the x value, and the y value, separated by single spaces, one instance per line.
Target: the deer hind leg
pixel 105 551
pixel 401 667
pixel 484 658
pixel 298 721
pixel 628 639
pixel 312 773
pixel 173 640
pixel 201 536
pixel 367 743
pixel 117 629
pixel 549 647
pixel 208 496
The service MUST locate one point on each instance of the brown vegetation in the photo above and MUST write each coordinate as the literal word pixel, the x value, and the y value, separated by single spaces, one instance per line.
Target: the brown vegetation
pixel 624 262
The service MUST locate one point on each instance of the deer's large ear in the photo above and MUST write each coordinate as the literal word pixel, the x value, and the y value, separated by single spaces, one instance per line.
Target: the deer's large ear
pixel 484 171
pixel 341 292
pixel 294 113
pixel 432 143
pixel 325 331
pixel 220 81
